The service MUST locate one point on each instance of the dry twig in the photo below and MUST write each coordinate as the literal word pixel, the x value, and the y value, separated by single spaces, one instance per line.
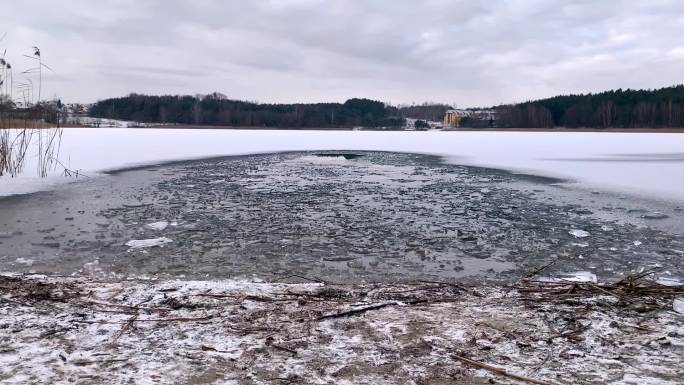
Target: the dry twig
pixel 500 371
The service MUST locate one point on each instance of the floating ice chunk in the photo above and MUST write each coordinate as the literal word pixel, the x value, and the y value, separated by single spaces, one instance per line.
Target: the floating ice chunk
pixel 323 160
pixel 655 215
pixel 666 281
pixel 578 233
pixel 158 226
pixel 678 305
pixel 579 276
pixel 94 265
pixel 24 261
pixel 577 244
pixel 143 243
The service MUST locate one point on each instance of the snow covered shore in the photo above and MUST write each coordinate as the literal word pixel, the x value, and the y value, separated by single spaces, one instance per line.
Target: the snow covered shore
pixel 81 330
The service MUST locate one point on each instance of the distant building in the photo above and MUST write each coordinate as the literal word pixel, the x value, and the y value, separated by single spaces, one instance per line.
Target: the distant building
pixel 452 118
pixel 472 117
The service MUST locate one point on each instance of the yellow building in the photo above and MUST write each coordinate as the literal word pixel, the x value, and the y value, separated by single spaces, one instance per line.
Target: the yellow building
pixel 451 119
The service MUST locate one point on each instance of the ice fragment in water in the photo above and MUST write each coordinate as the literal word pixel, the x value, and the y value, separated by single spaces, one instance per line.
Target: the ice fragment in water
pixel 579 233
pixel 159 226
pixel 579 276
pixel 24 261
pixel 665 281
pixel 142 243
pixel 655 215
pixel 678 305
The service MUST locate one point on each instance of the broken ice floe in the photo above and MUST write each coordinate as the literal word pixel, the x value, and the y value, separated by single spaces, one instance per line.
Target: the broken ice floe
pixel 578 233
pixel 24 261
pixel 144 243
pixel 667 281
pixel 678 305
pixel 655 215
pixel 158 226
pixel 578 276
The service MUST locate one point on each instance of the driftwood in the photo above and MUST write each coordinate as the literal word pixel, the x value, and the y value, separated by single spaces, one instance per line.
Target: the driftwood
pixel 362 310
pixel 356 311
pixel 500 371
pixel 126 326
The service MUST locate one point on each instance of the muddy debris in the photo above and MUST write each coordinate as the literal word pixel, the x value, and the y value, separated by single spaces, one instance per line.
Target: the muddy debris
pixel 538 331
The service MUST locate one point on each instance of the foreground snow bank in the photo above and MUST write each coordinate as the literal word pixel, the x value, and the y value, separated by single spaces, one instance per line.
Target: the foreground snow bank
pixel 77 330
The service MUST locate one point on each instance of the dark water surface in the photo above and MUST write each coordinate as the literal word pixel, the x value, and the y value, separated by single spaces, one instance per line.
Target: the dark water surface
pixel 342 217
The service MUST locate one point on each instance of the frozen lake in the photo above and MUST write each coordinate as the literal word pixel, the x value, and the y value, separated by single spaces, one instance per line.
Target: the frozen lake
pixel 361 216
pixel 635 163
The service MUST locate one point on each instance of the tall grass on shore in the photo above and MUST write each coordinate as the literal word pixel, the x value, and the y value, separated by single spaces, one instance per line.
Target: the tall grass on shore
pixel 17 144
pixel 20 138
pixel 27 129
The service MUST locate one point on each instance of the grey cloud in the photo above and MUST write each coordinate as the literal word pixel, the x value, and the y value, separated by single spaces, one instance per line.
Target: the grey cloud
pixel 467 52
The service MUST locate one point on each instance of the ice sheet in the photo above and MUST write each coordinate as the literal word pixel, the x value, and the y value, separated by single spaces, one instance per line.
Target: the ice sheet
pixel 642 163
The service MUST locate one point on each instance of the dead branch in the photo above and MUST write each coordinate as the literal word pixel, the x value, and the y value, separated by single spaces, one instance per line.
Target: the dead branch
pixel 123 329
pixel 362 310
pixel 500 371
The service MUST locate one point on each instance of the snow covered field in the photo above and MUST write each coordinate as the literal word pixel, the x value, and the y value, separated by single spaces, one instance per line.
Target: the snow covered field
pixel 642 163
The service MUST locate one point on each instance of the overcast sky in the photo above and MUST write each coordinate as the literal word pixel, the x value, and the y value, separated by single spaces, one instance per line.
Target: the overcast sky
pixel 465 52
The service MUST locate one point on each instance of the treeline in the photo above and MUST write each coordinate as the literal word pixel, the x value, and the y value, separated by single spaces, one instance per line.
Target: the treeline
pixel 619 108
pixel 425 111
pixel 216 109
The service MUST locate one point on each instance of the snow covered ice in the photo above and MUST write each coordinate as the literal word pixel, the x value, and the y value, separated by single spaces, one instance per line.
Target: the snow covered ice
pixel 585 157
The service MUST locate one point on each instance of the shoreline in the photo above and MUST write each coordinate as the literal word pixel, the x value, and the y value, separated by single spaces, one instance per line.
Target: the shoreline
pixel 564 129
pixel 496 129
pixel 243 332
